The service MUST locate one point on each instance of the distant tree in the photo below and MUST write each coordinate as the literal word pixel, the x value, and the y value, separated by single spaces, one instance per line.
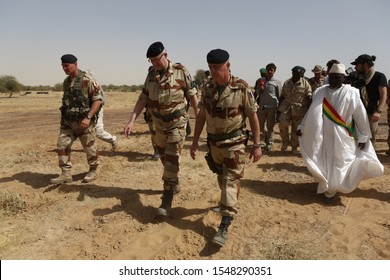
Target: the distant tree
pixel 58 87
pixel 9 84
pixel 199 77
pixel 135 88
pixel 121 88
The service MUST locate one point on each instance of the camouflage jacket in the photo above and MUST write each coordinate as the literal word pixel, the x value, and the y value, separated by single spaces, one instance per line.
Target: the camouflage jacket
pixel 226 111
pixel 79 94
pixel 167 95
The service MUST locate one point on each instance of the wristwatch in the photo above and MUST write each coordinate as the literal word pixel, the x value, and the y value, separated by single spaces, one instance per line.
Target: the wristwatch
pixel 88 117
pixel 256 145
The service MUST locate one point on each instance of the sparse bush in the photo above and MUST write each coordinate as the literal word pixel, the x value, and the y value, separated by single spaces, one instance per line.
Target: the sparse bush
pixel 289 250
pixel 11 203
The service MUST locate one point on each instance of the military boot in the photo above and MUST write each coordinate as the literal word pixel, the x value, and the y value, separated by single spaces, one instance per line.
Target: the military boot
pixel 220 238
pixel 91 175
pixel 166 204
pixel 176 189
pixel 156 154
pixel 65 177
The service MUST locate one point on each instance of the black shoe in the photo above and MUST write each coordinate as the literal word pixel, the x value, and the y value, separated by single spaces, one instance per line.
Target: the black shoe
pixel 155 156
pixel 166 203
pixel 176 189
pixel 220 238
pixel 328 200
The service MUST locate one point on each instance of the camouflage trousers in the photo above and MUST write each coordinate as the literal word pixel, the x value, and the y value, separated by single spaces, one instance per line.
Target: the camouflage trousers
pixel 169 145
pixel 229 180
pixel 69 132
pixel 289 137
pixel 152 127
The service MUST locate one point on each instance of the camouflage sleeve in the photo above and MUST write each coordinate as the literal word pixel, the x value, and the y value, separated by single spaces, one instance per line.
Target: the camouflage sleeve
pixel 94 90
pixel 308 89
pixel 201 102
pixel 250 105
pixel 190 89
pixel 284 89
pixel 144 95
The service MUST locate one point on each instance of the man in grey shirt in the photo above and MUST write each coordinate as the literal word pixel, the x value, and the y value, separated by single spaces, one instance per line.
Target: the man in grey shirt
pixel 268 90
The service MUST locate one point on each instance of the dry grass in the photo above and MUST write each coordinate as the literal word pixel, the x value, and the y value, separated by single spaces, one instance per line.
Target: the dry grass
pixel 11 203
pixel 278 249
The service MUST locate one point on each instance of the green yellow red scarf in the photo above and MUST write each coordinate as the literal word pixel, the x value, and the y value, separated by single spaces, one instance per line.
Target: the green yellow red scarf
pixel 331 113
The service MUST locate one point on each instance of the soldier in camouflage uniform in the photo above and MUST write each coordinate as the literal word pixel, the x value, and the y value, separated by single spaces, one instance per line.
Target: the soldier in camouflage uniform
pixel 295 101
pixel 318 80
pixel 166 89
pixel 225 104
pixel 80 104
pixel 152 129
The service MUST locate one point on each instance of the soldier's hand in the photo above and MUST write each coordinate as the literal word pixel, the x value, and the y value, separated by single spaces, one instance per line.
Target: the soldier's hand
pixel 85 123
pixel 361 145
pixel 256 153
pixel 298 132
pixel 128 128
pixel 374 117
pixel 193 149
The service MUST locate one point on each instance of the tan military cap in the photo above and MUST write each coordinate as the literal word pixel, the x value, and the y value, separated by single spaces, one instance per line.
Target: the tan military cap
pixel 317 69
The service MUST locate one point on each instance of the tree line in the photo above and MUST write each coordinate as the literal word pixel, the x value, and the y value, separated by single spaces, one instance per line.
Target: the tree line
pixel 9 84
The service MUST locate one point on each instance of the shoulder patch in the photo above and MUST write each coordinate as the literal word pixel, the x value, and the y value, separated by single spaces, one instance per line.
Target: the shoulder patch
pixel 96 87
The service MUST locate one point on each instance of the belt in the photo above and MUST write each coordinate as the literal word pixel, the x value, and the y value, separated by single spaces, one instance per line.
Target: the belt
pixel 225 136
pixel 170 117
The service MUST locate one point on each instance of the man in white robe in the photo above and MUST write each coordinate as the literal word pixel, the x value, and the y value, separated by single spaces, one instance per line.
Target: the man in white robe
pixel 338 152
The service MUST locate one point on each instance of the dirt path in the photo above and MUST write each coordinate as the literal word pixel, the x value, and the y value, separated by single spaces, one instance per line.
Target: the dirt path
pixel 281 216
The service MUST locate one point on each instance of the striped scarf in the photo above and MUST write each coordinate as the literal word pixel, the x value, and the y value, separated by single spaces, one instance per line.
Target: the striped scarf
pixel 332 115
pixel 363 90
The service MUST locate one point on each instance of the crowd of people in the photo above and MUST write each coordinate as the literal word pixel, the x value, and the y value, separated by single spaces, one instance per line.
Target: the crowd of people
pixel 330 119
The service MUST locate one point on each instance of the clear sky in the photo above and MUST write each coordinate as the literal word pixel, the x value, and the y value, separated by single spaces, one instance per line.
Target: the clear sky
pixel 111 37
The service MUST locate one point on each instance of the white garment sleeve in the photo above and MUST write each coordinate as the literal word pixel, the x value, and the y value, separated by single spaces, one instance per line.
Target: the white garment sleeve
pixel 362 125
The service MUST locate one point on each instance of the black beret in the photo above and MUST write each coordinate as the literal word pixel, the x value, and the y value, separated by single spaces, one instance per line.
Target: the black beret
pixel 155 49
pixel 217 56
pixel 298 69
pixel 68 58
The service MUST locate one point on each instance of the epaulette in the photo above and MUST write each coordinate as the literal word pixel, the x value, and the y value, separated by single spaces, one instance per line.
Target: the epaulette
pixel 240 81
pixel 178 65
pixel 88 76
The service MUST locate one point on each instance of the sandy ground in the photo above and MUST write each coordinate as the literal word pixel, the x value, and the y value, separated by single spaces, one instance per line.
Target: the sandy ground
pixel 280 214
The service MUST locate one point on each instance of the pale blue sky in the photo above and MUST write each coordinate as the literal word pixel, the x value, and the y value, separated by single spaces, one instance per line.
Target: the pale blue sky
pixel 111 37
